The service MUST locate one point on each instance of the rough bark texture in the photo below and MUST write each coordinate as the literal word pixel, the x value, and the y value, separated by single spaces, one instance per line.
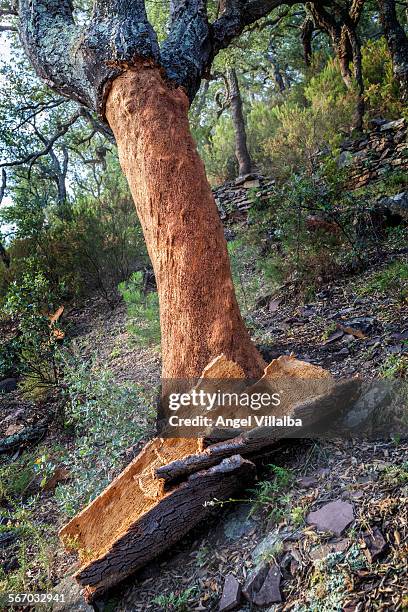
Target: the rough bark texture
pixel 166 523
pixel 397 42
pixel 236 15
pixel 80 63
pixel 28 435
pixel 277 74
pixel 306 36
pixel 199 314
pixel 4 256
pixel 157 527
pixel 241 148
pixel 135 518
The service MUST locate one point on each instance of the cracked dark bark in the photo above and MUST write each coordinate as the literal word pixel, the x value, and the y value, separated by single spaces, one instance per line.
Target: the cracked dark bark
pixel 178 512
pixel 397 42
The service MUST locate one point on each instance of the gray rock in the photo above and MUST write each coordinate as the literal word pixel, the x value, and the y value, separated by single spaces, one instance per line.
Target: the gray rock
pixel 324 550
pixel 376 544
pixel 237 524
pixel 358 325
pixel 263 588
pixel 8 384
pixel 393 125
pixel 71 597
pixel 334 517
pixel 255 580
pixel 269 544
pixel 397 203
pixel 345 159
pixel 231 594
pixel 307 482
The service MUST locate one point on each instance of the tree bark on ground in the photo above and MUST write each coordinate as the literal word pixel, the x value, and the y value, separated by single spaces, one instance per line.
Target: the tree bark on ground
pixel 397 42
pixel 164 525
pixel 238 120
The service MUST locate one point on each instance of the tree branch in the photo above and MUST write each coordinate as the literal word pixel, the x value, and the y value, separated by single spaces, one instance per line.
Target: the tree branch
pixel 49 34
pixel 81 64
pixel 307 37
pixel 38 109
pixel 237 15
pixel 3 184
pixel 187 51
pixel 32 157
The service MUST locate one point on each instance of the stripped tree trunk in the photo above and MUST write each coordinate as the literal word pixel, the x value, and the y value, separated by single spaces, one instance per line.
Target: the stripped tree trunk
pixel 241 147
pixel 114 65
pixel 199 314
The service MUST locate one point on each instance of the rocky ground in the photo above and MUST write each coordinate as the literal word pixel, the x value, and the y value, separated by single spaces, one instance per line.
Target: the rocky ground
pixel 342 330
pixel 333 538
pixel 334 535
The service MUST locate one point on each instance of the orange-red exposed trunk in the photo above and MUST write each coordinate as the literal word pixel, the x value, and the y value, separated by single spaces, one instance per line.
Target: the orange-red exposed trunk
pixel 199 314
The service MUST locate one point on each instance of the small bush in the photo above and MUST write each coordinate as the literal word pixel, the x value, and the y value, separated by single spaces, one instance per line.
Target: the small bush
pixel 381 90
pixel 34 550
pixel 143 310
pixel 16 477
pixel 395 366
pixel 392 280
pixel 107 418
pixel 176 602
pixel 31 301
pixel 270 494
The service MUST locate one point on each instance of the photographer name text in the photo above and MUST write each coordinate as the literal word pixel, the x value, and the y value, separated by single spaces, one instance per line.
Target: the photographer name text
pixel 235 423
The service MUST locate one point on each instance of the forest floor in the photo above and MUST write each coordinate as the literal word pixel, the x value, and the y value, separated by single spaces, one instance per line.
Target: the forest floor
pixel 351 327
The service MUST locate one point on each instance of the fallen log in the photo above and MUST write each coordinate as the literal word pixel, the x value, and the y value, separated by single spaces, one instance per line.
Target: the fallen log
pixel 26 436
pixel 178 511
pixel 139 515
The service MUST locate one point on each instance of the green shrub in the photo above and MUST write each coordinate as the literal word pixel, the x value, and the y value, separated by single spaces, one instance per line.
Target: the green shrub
pixel 270 494
pixel 394 366
pixel 381 90
pixel 34 551
pixel 107 418
pixel 391 280
pixel 16 477
pixel 292 248
pixel 9 358
pixel 176 602
pixel 142 308
pixel 90 244
pixel 31 302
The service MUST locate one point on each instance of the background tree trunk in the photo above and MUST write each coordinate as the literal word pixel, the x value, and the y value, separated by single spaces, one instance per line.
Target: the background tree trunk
pixel 199 314
pixel 397 43
pixel 341 26
pixel 277 75
pixel 241 148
